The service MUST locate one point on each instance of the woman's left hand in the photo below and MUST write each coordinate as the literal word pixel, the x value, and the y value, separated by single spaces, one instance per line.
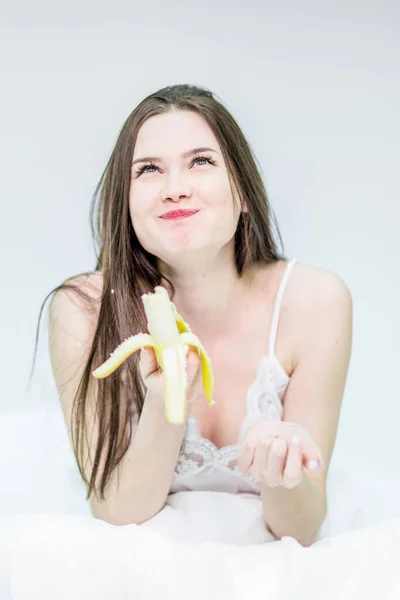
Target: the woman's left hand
pixel 277 453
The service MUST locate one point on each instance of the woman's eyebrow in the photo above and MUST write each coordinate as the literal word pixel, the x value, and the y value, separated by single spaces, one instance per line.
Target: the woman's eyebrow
pixel 184 155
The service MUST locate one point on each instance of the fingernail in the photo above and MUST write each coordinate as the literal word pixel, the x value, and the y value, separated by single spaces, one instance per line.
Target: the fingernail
pixel 296 441
pixel 313 465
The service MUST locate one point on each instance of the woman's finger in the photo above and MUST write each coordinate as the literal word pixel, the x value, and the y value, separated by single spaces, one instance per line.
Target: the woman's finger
pixel 246 454
pixel 312 457
pixel 148 363
pixel 293 472
pixel 260 460
pixel 276 463
pixel 193 369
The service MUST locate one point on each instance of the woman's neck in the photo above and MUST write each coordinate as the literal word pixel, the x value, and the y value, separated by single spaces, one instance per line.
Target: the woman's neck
pixel 210 300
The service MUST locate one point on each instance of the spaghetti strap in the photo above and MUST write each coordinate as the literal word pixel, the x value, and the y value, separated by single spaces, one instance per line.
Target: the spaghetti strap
pixel 277 307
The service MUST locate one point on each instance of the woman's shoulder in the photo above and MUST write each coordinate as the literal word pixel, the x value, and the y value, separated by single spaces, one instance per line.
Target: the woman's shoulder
pixel 93 277
pixel 309 291
pixel 315 297
pixel 312 286
pixel 306 283
pixel 73 317
pixel 79 295
pixel 91 282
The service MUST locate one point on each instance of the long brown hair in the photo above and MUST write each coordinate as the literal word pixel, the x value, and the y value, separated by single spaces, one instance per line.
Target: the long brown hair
pixel 128 269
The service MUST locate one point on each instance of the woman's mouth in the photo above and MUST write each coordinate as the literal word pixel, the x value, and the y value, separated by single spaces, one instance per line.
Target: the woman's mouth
pixel 178 214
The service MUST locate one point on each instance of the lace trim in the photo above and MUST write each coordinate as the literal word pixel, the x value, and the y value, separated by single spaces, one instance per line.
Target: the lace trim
pixel 263 402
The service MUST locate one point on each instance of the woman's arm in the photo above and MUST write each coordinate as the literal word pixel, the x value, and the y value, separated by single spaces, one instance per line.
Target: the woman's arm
pixel 145 472
pixel 139 486
pixel 313 400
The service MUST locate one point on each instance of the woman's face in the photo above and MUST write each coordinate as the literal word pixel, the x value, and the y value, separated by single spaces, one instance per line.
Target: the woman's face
pixel 175 181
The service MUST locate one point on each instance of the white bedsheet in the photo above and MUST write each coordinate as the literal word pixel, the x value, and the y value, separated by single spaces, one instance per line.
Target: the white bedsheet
pixel 201 545
pixel 64 557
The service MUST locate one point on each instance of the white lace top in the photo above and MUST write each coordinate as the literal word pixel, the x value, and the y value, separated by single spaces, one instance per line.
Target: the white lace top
pixel 203 466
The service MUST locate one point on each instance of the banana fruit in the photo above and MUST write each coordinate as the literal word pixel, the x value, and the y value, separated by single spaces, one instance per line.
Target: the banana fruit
pixel 168 335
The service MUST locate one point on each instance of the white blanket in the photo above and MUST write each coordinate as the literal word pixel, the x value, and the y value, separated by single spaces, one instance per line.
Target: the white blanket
pixel 202 545
pixel 72 557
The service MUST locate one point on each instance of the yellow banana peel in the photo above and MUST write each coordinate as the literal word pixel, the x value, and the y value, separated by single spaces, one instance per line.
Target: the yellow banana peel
pixel 168 334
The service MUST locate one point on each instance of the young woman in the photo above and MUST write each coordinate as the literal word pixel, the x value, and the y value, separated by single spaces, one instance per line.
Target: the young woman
pixel 194 503
pixel 278 331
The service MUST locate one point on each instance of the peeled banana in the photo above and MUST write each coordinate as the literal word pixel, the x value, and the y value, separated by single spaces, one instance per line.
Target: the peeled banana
pixel 168 334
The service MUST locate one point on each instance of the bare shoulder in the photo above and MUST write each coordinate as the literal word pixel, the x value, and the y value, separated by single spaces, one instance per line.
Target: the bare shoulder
pixel 73 318
pixel 81 294
pixel 314 289
pixel 88 284
pixel 318 306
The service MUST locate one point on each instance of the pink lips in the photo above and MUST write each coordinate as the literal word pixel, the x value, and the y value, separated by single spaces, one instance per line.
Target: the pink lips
pixel 178 214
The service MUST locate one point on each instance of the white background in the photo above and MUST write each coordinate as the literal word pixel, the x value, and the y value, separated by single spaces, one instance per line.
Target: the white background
pixel 316 89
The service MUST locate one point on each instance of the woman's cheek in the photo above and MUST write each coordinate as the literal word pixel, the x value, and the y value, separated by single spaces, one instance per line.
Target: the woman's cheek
pixel 139 229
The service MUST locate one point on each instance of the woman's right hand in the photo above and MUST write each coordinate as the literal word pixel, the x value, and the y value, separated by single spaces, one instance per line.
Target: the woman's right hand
pixel 153 376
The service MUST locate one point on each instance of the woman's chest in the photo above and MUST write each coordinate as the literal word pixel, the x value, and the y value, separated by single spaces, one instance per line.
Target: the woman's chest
pixel 221 423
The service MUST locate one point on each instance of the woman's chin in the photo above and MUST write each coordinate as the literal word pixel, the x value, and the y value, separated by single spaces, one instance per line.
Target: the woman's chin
pixel 186 255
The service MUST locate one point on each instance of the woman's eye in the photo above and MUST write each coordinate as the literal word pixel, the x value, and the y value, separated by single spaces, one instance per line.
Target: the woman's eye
pixel 201 158
pixel 144 169
pixel 147 167
pixel 208 159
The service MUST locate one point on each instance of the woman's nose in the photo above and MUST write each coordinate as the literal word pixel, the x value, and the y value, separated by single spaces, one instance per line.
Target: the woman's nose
pixel 176 193
pixel 175 197
pixel 176 189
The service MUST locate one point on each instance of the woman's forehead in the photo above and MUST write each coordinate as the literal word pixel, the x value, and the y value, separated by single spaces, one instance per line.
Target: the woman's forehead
pixel 174 133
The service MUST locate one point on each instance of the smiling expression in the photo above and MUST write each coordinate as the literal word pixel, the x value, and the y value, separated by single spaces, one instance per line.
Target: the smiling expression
pixel 178 165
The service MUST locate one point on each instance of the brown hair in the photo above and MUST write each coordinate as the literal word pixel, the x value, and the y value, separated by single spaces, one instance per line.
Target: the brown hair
pixel 129 270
